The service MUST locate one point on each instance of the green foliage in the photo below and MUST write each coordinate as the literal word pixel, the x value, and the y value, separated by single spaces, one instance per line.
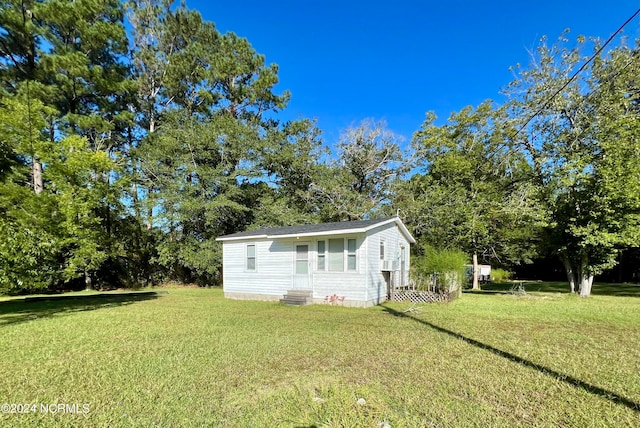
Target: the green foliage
pixel 205 139
pixel 124 166
pixel 29 248
pixel 434 260
pixel 64 117
pixel 500 275
pixel 474 192
pixel 506 188
pixel 585 151
pixel 53 237
pixel 442 268
pixel 29 240
pixel 292 163
pixel 71 168
pixel 360 180
pixel 188 165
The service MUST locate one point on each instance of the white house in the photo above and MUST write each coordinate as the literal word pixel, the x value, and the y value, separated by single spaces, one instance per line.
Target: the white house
pixel 356 260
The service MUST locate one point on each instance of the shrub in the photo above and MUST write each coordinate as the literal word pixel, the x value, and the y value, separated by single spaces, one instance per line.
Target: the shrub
pixel 440 269
pixel 28 260
pixel 501 275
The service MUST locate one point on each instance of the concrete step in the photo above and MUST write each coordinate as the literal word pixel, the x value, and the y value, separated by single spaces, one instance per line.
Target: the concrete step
pixel 291 302
pixel 297 297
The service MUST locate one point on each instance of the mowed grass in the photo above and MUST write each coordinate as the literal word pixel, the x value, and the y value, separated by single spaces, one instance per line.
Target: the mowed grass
pixel 192 358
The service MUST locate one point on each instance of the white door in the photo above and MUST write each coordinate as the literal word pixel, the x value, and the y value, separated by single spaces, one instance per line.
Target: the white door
pixel 302 271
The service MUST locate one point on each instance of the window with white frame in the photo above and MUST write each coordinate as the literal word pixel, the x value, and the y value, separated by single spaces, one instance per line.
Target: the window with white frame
pixel 336 255
pixel 351 254
pixel 381 249
pixel 302 259
pixel 322 257
pixel 251 257
pixel 340 251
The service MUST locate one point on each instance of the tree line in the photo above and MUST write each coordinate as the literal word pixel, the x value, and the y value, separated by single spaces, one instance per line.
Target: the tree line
pixel 126 150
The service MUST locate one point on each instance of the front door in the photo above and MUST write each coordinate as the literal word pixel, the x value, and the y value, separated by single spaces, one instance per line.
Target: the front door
pixel 301 276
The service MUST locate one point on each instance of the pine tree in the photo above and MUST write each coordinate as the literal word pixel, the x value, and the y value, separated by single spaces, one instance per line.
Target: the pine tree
pixel 206 100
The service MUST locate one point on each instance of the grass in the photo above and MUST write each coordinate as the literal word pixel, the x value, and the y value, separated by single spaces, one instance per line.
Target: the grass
pixel 192 358
pixel 599 289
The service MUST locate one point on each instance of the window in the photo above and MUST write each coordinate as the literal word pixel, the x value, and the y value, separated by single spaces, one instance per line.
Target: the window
pixel 251 257
pixel 381 249
pixel 351 254
pixel 321 255
pixel 302 259
pixel 336 255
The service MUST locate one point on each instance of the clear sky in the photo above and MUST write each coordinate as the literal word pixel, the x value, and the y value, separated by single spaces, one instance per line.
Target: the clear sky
pixel 344 61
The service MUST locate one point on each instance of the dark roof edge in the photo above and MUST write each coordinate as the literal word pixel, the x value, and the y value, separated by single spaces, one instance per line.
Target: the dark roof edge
pixel 318 229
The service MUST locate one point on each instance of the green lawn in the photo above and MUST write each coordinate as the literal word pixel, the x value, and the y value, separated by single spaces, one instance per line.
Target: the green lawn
pixel 192 358
pixel 599 289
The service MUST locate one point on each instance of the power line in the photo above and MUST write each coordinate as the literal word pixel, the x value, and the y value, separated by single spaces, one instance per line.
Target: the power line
pixel 575 74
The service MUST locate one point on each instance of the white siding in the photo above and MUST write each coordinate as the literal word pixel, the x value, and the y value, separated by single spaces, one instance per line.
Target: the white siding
pixel 274 268
pixel 349 284
pixel 393 239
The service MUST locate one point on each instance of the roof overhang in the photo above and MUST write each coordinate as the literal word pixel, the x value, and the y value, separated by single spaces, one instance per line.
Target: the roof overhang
pixel 395 220
pixel 404 230
pixel 243 238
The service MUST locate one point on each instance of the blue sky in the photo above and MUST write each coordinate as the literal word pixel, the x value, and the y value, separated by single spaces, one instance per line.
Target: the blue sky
pixel 344 61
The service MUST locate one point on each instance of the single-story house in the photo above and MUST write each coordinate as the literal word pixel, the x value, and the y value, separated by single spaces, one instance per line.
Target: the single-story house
pixel 358 261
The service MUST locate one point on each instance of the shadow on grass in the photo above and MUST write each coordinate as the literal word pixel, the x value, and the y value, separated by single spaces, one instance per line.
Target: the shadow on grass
pixel 599 289
pixel 603 393
pixel 32 308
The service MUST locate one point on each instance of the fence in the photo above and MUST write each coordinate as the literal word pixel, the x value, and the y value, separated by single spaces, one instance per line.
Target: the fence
pixel 433 288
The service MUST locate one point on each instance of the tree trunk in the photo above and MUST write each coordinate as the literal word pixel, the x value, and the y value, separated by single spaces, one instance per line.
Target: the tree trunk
pixel 152 129
pixel 585 284
pixel 476 284
pixel 88 284
pixel 149 218
pixel 580 279
pixel 38 185
pixel 106 178
pixel 135 203
pixel 570 273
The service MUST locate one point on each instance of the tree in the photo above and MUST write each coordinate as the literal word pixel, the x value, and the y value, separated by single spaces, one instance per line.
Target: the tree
pixel 582 137
pixel 206 99
pixel 48 237
pixel 18 62
pixel 474 193
pixel 63 76
pixel 292 164
pixel 29 240
pixel 189 146
pixel 86 79
pixel 358 182
pixel 160 64
pixel 18 42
